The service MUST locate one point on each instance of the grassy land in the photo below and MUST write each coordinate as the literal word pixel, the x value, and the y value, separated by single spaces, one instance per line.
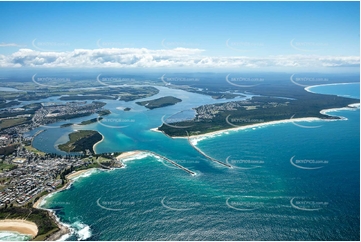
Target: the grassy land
pixel 80 141
pixel 6 166
pixel 160 102
pixel 34 150
pixel 7 123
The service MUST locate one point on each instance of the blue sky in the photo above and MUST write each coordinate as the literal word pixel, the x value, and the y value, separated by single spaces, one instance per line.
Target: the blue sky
pixel 209 32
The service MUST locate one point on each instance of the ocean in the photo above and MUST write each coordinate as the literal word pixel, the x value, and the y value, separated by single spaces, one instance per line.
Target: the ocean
pixel 288 181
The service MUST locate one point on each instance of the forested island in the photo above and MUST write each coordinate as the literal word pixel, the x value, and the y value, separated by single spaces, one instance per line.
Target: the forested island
pixel 159 102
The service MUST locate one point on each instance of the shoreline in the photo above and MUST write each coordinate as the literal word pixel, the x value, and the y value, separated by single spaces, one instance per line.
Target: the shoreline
pixel 63 228
pixel 291 120
pixel 307 119
pixel 206 135
pixel 160 131
pixel 72 176
pixel 35 135
pixel 95 145
pixel 128 154
pixel 20 226
pixel 329 84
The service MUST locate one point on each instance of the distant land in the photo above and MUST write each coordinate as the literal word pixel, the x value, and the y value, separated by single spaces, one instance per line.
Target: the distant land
pixel 160 102
pixel 293 102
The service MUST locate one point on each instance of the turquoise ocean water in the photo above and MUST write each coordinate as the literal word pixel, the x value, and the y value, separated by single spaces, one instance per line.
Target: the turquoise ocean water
pixel 289 181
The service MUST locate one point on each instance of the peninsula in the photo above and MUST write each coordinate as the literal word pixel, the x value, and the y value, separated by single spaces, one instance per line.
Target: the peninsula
pixel 81 140
pixel 259 109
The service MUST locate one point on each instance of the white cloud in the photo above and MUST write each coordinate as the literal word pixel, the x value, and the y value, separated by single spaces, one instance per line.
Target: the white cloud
pixel 164 58
pixel 10 45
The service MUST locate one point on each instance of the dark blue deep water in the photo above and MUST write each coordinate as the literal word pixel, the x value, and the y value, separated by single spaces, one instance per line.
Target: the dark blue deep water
pixel 288 182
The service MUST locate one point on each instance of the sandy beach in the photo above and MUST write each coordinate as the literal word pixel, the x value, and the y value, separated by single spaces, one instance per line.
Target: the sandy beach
pixel 20 226
pixel 74 175
pixel 38 203
pixel 156 130
pixel 249 127
pixel 95 145
pixel 329 84
pixel 128 154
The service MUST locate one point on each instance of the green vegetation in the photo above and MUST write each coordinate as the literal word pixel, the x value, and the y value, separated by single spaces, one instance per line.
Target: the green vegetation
pixel 14 114
pixel 41 218
pixel 257 110
pixel 32 149
pixel 75 115
pixel 5 166
pixel 32 106
pixel 159 102
pixel 103 112
pixel 68 92
pixel 66 125
pixel 81 140
pixel 4 104
pixel 90 121
pixel 7 123
pixel 87 97
pixel 225 95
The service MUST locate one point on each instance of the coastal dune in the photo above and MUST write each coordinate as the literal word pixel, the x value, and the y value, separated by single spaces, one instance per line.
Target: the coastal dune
pixel 19 225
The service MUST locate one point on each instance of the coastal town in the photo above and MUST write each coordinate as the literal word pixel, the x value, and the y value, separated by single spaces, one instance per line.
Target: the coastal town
pixel 26 173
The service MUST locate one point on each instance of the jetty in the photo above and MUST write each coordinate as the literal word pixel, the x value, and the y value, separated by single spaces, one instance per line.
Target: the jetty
pixel 172 162
pixel 207 156
pixel 36 134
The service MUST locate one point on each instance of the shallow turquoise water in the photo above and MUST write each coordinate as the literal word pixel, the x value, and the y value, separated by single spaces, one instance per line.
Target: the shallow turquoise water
pixel 287 182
